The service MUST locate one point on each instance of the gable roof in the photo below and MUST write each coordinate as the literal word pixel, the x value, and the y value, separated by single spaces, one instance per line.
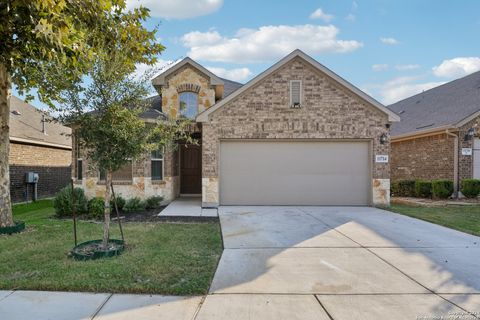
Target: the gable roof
pixel 26 126
pixel 449 105
pixel 203 117
pixel 160 79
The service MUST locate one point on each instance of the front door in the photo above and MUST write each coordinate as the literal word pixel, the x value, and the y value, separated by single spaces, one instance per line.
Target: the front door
pixel 190 169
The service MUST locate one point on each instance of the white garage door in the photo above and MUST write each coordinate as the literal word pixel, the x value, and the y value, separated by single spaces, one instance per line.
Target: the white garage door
pixel 258 172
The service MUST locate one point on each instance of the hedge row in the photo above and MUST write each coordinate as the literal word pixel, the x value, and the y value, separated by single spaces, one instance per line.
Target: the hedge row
pixel 94 207
pixel 439 189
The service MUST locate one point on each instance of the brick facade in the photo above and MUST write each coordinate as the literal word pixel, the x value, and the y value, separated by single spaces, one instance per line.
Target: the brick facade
pixel 465 163
pixel 329 111
pixel 429 157
pixel 432 157
pixel 52 165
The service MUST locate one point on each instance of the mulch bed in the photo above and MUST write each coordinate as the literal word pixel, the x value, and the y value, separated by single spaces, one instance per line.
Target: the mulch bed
pixel 148 216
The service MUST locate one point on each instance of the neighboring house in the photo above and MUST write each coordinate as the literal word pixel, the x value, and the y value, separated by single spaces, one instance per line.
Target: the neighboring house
pixel 40 145
pixel 297 134
pixel 438 135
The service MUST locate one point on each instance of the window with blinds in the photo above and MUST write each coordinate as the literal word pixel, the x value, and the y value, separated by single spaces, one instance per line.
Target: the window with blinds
pixel 295 93
pixel 78 158
pixel 123 174
pixel 157 164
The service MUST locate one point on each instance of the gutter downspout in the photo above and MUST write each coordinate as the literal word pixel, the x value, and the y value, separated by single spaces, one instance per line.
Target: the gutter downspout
pixel 455 162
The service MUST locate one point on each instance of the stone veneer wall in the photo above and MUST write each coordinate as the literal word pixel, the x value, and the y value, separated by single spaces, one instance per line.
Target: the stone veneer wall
pixel 141 185
pixel 429 157
pixel 328 111
pixel 186 78
pixel 51 164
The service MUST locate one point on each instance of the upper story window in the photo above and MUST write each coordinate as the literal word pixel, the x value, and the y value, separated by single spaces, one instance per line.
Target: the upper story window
pixel 295 93
pixel 188 104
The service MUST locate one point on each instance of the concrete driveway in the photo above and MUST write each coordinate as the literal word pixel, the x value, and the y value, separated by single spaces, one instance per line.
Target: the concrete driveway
pixel 341 263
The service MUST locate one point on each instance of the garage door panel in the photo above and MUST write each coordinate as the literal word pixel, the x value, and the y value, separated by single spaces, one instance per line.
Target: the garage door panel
pixel 294 173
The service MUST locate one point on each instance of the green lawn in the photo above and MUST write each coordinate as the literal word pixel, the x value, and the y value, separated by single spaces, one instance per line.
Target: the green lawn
pixel 462 218
pixel 162 258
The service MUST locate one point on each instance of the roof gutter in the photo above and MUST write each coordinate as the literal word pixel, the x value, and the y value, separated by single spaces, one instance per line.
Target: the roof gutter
pixel 426 132
pixel 40 143
pixel 455 162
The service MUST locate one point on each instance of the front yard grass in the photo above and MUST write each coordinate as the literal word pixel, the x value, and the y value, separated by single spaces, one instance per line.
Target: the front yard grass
pixel 161 258
pixel 462 218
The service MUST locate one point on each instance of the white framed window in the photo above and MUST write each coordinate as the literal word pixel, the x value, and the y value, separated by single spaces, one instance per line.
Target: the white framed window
pixel 295 93
pixel 156 158
pixel 78 159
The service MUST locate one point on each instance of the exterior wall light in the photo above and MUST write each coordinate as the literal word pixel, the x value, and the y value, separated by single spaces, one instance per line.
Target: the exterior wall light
pixel 470 134
pixel 383 138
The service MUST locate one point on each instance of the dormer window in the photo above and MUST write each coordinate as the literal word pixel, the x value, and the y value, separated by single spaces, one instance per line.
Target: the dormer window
pixel 188 104
pixel 295 93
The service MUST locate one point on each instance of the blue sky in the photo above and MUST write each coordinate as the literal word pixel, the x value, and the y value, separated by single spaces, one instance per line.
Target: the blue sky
pixel 390 49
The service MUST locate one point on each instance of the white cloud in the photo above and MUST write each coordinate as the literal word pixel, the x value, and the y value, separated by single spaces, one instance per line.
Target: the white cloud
pixel 197 38
pixel 401 88
pixel 351 17
pixel 177 9
pixel 319 14
pixel 380 67
pixel 237 74
pixel 389 41
pixel 406 67
pixel 457 67
pixel 266 43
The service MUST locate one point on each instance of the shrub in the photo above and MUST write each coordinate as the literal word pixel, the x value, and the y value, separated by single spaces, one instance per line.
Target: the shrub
pixel 120 203
pixel 470 188
pixel 63 202
pixel 96 207
pixel 423 189
pixel 134 204
pixel 403 188
pixel 153 202
pixel 442 189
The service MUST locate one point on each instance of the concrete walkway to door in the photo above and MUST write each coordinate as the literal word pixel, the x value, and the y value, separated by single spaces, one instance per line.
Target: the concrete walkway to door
pixel 187 207
pixel 341 263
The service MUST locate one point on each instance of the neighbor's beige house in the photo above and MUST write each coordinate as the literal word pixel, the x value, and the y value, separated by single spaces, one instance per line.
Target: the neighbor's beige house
pixel 297 134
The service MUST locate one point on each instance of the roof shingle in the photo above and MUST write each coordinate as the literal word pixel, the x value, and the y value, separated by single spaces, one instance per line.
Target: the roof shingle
pixel 445 105
pixel 26 123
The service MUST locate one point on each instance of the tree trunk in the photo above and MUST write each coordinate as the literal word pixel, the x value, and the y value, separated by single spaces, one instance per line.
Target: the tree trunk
pixel 106 220
pixel 6 218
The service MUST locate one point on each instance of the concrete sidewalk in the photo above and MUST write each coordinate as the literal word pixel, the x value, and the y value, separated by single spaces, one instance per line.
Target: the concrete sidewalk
pixel 43 305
